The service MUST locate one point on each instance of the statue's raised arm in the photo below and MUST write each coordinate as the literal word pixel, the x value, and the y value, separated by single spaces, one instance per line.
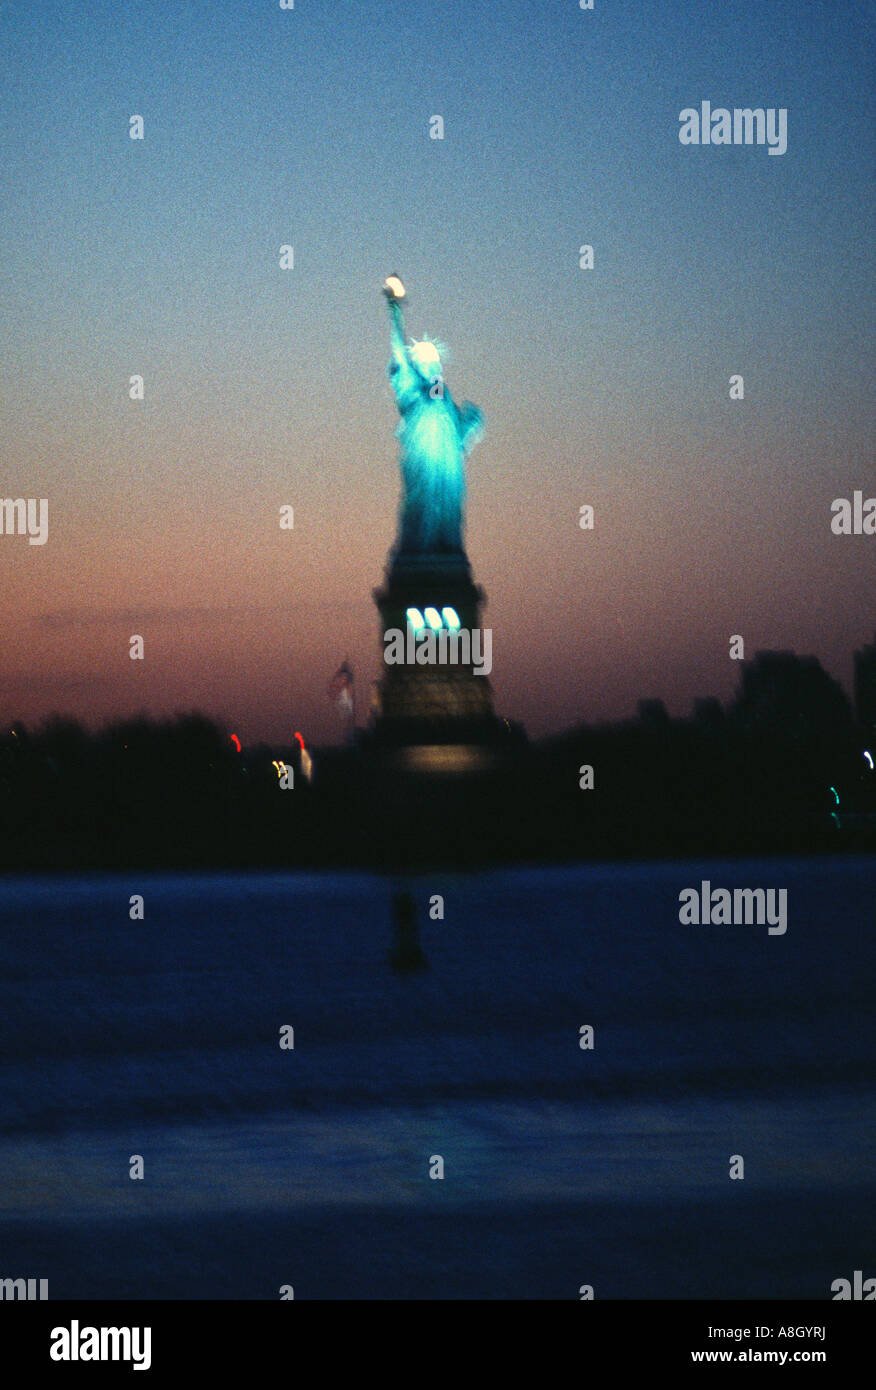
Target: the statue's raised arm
pixel 401 372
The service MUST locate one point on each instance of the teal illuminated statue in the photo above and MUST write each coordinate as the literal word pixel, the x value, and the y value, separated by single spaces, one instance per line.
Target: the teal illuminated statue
pixel 435 437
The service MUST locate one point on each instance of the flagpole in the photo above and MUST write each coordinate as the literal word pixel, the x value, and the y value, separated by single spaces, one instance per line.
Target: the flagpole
pixel 342 689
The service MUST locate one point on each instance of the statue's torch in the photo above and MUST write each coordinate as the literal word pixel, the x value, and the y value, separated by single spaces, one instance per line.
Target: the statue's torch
pixel 393 288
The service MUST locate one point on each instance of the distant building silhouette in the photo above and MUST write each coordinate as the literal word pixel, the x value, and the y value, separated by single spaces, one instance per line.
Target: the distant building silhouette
pixel 790 697
pixel 708 714
pixel 865 685
pixel 653 714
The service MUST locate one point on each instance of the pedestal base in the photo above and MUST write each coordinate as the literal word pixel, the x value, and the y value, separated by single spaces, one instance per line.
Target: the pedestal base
pixel 444 703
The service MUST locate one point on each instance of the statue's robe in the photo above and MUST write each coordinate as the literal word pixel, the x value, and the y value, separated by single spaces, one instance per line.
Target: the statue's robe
pixel 435 436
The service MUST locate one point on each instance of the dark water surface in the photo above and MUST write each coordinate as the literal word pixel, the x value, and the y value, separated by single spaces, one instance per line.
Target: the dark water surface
pixel 562 1167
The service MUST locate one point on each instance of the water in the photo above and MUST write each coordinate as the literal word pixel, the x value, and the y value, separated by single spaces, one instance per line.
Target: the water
pixel 562 1166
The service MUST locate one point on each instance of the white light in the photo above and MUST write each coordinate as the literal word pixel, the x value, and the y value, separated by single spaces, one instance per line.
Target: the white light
pixel 433 618
pixel 415 618
pixel 451 617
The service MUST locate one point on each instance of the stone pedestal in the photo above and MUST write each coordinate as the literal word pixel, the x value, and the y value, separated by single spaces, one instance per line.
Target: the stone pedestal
pixel 440 714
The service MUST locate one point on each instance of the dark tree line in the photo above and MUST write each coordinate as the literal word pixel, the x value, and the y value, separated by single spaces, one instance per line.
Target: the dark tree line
pixel 783 767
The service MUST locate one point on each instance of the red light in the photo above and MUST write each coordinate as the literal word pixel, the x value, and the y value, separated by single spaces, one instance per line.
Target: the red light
pixel 236 741
pixel 300 741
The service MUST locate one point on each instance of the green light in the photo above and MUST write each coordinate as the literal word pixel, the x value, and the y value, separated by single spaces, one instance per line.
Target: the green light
pixel 836 794
pixel 415 619
pixel 451 617
pixel 433 618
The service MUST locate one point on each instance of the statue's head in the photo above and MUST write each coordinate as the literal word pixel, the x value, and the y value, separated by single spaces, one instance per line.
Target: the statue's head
pixel 426 357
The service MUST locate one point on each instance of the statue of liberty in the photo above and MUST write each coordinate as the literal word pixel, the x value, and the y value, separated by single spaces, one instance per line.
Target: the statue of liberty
pixel 435 437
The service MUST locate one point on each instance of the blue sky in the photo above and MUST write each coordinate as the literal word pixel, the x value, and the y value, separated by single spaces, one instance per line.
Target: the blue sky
pixel 310 127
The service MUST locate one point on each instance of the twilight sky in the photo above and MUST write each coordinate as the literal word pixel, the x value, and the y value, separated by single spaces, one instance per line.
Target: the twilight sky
pixel 265 387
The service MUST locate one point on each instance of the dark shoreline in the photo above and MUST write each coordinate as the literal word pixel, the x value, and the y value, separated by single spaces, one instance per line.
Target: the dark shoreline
pixel 181 794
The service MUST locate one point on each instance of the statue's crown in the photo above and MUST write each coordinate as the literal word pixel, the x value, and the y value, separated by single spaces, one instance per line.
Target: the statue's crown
pixel 426 357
